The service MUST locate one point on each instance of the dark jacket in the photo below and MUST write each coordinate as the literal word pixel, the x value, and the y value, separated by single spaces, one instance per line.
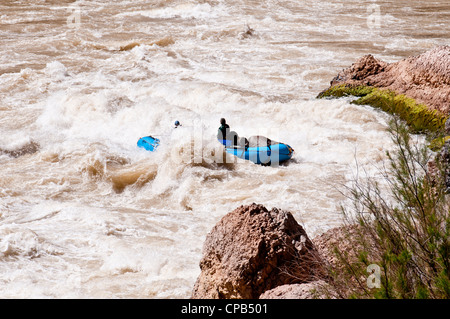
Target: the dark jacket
pixel 223 131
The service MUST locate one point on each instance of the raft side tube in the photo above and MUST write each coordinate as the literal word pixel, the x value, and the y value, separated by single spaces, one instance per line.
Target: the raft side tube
pixel 149 143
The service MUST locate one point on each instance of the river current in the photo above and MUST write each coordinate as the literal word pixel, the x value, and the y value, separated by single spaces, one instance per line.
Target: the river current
pixel 85 213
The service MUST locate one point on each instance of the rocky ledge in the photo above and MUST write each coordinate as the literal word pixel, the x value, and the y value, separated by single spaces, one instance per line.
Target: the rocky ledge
pixel 425 78
pixel 416 89
pixel 253 250
pixel 256 253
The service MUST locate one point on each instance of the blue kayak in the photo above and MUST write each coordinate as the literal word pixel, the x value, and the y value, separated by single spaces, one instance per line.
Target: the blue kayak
pixel 150 143
pixel 265 154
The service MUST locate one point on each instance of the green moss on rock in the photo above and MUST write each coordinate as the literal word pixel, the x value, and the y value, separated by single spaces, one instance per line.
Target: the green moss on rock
pixel 419 117
pixel 345 90
pixel 437 143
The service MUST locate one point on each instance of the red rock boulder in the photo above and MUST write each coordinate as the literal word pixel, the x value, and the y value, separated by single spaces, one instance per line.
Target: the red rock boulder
pixel 252 250
pixel 425 77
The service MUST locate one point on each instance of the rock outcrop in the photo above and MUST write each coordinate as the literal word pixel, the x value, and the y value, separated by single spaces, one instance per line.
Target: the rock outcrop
pixel 310 290
pixel 252 250
pixel 425 77
pixel 343 238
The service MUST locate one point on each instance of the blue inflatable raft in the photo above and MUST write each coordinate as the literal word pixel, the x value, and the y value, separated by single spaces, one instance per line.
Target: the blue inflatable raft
pixel 150 143
pixel 260 150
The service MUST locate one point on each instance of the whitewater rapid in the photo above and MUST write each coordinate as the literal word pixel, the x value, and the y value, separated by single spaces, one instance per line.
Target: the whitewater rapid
pixel 85 213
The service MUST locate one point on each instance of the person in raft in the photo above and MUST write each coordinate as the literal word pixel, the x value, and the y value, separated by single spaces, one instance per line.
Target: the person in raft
pixel 223 131
pixel 229 138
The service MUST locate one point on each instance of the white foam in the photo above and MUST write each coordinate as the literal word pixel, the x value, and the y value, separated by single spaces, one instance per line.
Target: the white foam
pixel 184 10
pixel 104 218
